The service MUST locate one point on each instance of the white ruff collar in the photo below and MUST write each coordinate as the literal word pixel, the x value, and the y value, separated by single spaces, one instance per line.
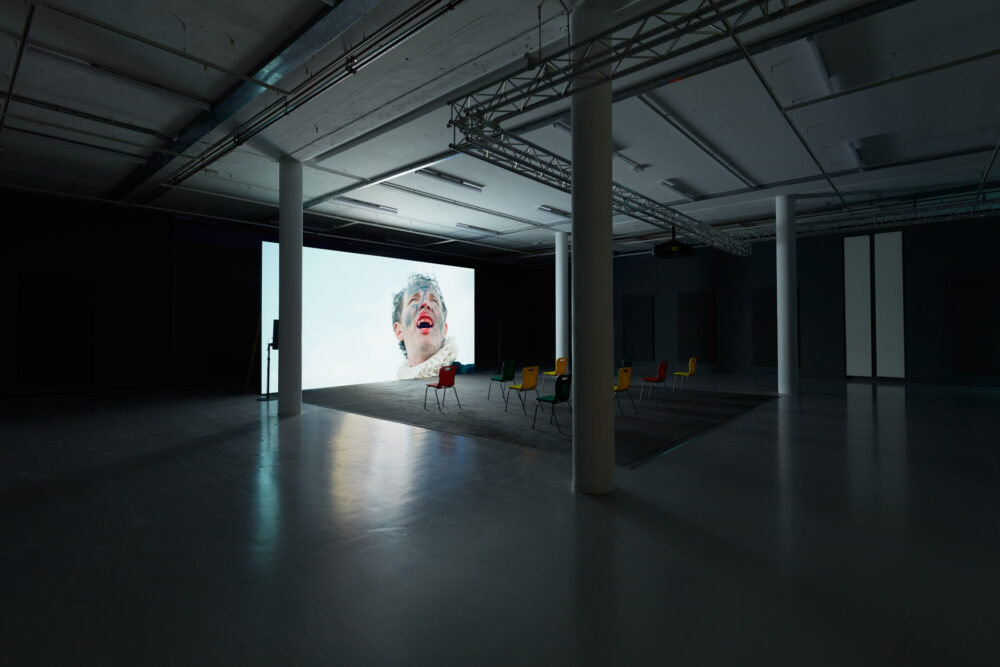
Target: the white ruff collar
pixel 433 365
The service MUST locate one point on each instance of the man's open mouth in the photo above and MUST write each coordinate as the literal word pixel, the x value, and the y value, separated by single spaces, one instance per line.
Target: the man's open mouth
pixel 425 322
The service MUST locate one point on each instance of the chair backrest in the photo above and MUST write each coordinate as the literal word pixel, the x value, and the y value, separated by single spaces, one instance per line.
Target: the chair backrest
pixel 624 378
pixel 446 376
pixel 507 370
pixel 626 362
pixel 661 370
pixel 561 365
pixel 562 388
pixel 529 377
pixel 692 363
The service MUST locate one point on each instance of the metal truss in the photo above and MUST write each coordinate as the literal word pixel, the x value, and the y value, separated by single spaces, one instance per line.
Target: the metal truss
pixel 885 215
pixel 522 157
pixel 652 38
pixel 649 39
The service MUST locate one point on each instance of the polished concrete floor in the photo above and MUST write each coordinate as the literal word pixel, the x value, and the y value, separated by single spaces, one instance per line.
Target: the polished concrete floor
pixel 855 525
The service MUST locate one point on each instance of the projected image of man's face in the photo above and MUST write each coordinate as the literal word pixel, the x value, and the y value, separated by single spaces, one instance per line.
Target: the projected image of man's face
pixel 422 322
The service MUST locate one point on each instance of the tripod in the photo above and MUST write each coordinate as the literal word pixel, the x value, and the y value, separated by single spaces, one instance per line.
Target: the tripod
pixel 267 396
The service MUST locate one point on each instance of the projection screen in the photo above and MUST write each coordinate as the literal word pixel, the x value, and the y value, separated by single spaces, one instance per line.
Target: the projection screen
pixel 348 331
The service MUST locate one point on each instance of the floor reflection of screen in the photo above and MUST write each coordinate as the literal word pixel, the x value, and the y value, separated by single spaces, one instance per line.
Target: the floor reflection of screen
pixel 348 333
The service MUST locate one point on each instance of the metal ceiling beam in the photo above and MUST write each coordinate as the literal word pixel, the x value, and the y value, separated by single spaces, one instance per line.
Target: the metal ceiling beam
pixel 156 45
pixel 714 62
pixel 325 26
pixel 375 45
pixel 989 167
pixel 919 207
pixel 17 60
pixel 649 39
pixel 891 79
pixel 522 157
pixel 380 178
pixel 722 160
pixel 925 159
pixel 774 98
pixel 355 221
pixel 91 67
pixel 80 130
pixel 84 115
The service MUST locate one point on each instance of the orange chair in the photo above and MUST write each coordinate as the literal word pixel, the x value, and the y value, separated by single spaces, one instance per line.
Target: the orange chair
pixel 661 377
pixel 529 382
pixel 689 373
pixel 624 382
pixel 446 380
pixel 560 369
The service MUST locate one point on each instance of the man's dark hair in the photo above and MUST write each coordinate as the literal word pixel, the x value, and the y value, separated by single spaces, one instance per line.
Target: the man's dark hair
pixel 414 280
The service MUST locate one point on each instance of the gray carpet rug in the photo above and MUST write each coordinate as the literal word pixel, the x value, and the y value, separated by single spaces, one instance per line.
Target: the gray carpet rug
pixel 663 421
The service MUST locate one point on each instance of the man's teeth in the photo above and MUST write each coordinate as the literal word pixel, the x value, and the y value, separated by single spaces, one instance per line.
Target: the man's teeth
pixel 424 325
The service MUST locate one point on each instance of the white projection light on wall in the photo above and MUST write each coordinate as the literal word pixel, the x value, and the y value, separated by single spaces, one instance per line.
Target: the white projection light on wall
pixel 372 319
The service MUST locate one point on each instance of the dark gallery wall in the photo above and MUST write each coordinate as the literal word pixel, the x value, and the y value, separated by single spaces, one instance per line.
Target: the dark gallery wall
pixel 102 297
pixel 722 308
pixel 951 274
pixel 98 297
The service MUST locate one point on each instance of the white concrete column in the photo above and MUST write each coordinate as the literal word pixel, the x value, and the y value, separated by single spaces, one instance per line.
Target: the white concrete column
pixel 562 295
pixel 290 287
pixel 788 315
pixel 593 408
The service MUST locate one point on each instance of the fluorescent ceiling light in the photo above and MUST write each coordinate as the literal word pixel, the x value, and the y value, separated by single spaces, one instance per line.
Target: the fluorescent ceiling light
pixel 368 205
pixel 636 166
pixel 448 178
pixel 554 210
pixel 478 229
pixel 679 188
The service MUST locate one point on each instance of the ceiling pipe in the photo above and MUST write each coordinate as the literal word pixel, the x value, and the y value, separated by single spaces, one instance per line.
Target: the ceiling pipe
pixel 156 45
pixel 17 60
pixel 661 110
pixel 83 115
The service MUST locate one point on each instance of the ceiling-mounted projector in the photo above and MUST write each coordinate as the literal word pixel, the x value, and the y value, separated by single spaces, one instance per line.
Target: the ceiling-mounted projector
pixel 673 248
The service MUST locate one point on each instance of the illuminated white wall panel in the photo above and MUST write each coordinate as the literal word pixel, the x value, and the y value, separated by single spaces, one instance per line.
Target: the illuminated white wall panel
pixel 890 359
pixel 857 306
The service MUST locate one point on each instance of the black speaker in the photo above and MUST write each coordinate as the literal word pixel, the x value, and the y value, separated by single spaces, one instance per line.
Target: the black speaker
pixel 274 336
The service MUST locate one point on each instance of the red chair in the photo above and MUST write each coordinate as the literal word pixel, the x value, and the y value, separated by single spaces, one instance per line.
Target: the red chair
pixel 661 377
pixel 446 380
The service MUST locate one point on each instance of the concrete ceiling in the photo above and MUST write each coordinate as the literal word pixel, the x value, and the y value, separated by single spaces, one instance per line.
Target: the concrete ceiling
pixel 187 106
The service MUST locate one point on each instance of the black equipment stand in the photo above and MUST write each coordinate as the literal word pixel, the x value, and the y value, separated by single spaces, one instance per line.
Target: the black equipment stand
pixel 267 396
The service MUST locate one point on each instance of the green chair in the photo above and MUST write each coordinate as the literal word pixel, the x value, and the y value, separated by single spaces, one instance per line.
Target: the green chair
pixel 506 375
pixel 561 396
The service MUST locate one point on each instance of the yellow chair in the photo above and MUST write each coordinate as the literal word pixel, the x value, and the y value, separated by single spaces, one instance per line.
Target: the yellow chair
pixel 624 383
pixel 689 373
pixel 529 382
pixel 561 364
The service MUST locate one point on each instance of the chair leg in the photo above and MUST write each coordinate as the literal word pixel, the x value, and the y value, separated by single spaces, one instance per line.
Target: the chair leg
pixel 425 397
pixel 436 399
pixel 489 390
pixel 506 397
pixel 537 405
pixel 556 418
pixel 456 397
pixel 619 405
pixel 633 401
pixel 520 395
